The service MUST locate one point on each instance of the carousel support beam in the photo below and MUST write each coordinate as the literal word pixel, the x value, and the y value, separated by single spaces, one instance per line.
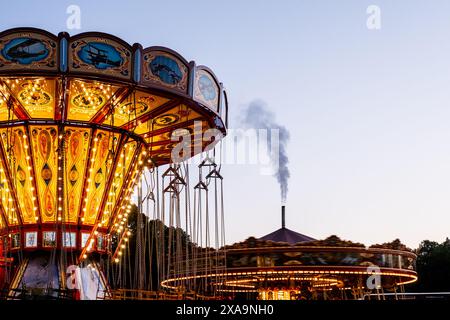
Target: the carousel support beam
pixel 110 179
pixel 86 174
pixel 8 174
pixel 116 98
pixel 123 238
pixel 17 107
pixel 125 188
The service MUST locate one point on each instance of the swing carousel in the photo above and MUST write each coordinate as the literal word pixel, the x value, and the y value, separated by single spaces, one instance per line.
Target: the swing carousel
pixel 85 121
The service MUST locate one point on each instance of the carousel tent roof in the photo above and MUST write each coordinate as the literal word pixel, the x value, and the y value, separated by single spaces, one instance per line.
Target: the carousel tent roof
pixel 286 235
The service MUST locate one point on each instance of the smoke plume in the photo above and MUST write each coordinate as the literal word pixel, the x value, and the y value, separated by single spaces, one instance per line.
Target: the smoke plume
pixel 257 116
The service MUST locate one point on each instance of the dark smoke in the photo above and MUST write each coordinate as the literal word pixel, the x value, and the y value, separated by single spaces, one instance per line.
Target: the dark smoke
pixel 257 116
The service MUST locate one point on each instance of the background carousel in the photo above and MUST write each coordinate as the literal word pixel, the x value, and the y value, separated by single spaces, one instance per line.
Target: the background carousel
pixel 286 265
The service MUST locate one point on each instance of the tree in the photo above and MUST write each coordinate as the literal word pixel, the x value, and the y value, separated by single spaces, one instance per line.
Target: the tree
pixel 154 247
pixel 433 267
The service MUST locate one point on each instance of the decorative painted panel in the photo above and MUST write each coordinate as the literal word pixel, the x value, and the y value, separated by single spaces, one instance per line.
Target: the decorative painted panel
pixel 28 50
pixel 44 140
pixel 69 239
pixel 87 98
pixel 15 240
pixel 31 239
pixel 49 239
pixel 170 118
pixel 206 90
pixel 20 168
pixel 103 147
pixel 77 146
pixel 36 96
pixel 135 107
pixel 165 69
pixel 100 56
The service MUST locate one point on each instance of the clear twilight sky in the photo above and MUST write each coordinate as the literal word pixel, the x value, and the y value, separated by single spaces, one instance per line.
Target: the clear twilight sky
pixel 368 110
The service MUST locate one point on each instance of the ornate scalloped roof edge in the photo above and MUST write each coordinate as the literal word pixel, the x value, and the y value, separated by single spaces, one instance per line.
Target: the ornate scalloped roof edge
pixel 102 35
pixel 137 51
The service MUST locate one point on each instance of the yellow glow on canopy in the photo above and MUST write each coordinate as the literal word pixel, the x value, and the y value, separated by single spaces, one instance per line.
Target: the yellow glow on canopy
pixel 82 170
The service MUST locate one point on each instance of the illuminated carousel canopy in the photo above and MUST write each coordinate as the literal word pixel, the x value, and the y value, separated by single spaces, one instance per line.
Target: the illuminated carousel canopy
pixel 80 117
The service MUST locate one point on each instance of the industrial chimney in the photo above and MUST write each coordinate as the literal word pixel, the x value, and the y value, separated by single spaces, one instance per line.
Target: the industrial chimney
pixel 284 234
